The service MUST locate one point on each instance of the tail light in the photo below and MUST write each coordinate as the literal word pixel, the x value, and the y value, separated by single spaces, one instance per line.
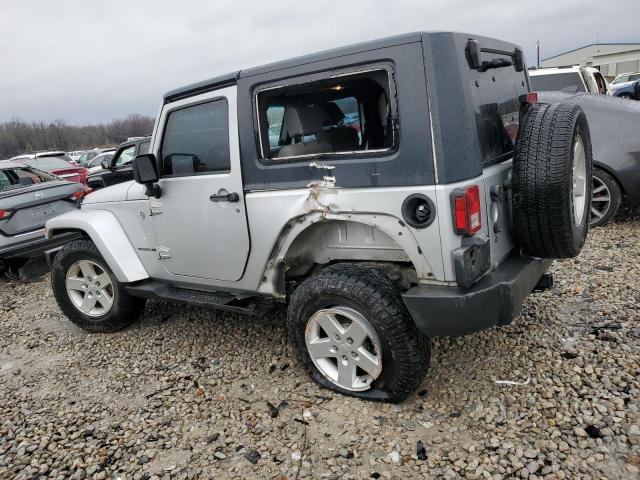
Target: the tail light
pixel 81 194
pixel 467 216
pixel 5 214
pixel 531 97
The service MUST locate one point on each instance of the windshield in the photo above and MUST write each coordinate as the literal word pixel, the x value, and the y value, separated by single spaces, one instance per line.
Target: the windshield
pixel 569 82
pixel 48 163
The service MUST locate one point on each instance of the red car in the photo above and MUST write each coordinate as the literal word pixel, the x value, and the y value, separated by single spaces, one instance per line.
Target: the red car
pixel 57 166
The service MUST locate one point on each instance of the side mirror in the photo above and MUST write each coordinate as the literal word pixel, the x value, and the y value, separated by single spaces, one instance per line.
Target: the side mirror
pixel 146 173
pixel 105 165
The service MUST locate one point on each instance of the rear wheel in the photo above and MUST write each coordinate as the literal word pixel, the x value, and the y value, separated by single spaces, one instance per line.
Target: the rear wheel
pixel 352 332
pixel 551 181
pixel 88 292
pixel 626 96
pixel 605 199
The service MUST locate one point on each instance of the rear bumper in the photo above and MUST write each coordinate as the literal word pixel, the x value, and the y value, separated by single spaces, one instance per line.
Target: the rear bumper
pixel 37 246
pixel 495 300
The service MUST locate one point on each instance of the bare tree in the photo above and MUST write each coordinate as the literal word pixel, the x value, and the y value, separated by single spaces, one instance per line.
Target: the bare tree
pixel 18 136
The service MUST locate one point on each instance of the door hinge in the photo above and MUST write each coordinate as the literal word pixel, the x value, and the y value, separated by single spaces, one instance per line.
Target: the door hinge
pixel 163 253
pixel 155 208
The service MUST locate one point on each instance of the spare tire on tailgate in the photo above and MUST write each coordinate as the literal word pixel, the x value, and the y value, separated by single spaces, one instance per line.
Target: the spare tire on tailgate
pixel 552 181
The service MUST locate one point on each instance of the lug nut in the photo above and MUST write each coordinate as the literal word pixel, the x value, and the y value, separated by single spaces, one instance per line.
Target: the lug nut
pixel 337 337
pixel 354 355
pixel 333 349
pixel 350 341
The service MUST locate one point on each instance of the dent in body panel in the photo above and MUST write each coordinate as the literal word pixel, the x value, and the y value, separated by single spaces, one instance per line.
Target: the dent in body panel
pixel 323 224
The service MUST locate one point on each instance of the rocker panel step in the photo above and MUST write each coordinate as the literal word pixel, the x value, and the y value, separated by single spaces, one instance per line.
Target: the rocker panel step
pixel 215 300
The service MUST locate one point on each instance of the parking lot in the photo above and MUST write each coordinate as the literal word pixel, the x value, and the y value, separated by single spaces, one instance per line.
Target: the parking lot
pixel 189 393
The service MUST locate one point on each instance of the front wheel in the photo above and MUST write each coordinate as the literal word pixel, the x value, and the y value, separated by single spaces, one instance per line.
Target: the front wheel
pixel 626 96
pixel 88 292
pixel 352 332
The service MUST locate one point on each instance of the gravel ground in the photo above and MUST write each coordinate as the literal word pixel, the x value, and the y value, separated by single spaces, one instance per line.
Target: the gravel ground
pixel 188 393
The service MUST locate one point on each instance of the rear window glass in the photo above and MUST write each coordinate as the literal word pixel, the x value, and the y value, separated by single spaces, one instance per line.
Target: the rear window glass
pixel 48 163
pixel 569 82
pixel 22 176
pixel 341 114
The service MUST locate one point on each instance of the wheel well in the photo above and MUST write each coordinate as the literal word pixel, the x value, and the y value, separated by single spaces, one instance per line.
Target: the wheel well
pixel 335 241
pixel 611 174
pixel 60 231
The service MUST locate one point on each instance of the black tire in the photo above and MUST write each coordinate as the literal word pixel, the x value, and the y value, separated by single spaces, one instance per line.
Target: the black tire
pixel 125 310
pixel 626 96
pixel 613 191
pixel 543 202
pixel 366 289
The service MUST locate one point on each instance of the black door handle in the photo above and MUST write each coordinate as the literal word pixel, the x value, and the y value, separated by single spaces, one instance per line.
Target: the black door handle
pixel 229 197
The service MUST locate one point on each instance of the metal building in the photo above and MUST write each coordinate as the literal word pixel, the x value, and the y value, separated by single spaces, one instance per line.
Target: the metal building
pixel 610 58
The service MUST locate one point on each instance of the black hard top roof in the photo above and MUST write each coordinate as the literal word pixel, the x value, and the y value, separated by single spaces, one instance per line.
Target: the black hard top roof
pixel 231 78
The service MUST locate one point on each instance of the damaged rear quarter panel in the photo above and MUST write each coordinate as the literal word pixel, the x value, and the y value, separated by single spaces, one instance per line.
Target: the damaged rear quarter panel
pixel 276 218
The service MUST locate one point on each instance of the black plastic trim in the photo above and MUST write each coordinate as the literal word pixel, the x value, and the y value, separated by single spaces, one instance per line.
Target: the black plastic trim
pixel 38 246
pixel 495 300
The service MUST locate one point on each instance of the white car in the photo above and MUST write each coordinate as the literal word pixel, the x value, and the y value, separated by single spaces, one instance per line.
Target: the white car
pixel 95 165
pixel 568 79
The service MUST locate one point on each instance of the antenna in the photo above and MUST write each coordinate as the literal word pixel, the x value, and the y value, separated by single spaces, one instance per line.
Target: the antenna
pixel 538 52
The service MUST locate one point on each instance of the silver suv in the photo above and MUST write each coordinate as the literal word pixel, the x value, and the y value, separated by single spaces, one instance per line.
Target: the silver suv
pixel 387 192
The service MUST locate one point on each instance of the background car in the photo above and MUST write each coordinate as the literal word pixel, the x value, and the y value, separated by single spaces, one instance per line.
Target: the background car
pixel 57 166
pixel 626 77
pixel 48 153
pixel 95 165
pixel 614 125
pixel 88 155
pixel 628 90
pixel 28 198
pixel 568 79
pixel 118 168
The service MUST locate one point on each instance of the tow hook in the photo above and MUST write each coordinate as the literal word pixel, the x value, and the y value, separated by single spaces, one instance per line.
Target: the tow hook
pixel 545 282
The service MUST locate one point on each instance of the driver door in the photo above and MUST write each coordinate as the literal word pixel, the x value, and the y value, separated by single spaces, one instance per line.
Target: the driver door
pixel 200 219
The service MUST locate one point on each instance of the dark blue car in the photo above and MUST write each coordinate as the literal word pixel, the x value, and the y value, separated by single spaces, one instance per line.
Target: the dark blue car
pixel 626 86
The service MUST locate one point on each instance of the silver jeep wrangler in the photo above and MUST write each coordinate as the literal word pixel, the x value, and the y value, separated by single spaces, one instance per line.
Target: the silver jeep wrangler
pixel 387 192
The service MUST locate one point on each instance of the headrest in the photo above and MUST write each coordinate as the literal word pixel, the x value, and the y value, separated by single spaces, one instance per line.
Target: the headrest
pixel 304 119
pixel 336 115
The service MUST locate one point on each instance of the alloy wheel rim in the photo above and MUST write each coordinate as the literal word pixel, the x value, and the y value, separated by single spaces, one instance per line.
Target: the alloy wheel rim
pixel 579 181
pixel 344 347
pixel 90 288
pixel 600 200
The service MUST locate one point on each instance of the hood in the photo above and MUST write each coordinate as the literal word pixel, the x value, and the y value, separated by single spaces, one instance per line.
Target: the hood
pixel 114 193
pixel 619 86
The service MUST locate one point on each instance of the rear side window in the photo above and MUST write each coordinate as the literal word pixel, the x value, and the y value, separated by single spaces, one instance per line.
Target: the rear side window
pixel 569 82
pixel 342 114
pixel 196 139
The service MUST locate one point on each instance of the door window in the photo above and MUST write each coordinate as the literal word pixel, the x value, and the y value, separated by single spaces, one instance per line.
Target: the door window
pixel 126 155
pixel 196 140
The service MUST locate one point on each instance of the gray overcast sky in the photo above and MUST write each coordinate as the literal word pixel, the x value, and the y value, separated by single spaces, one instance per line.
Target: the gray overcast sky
pixel 95 60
